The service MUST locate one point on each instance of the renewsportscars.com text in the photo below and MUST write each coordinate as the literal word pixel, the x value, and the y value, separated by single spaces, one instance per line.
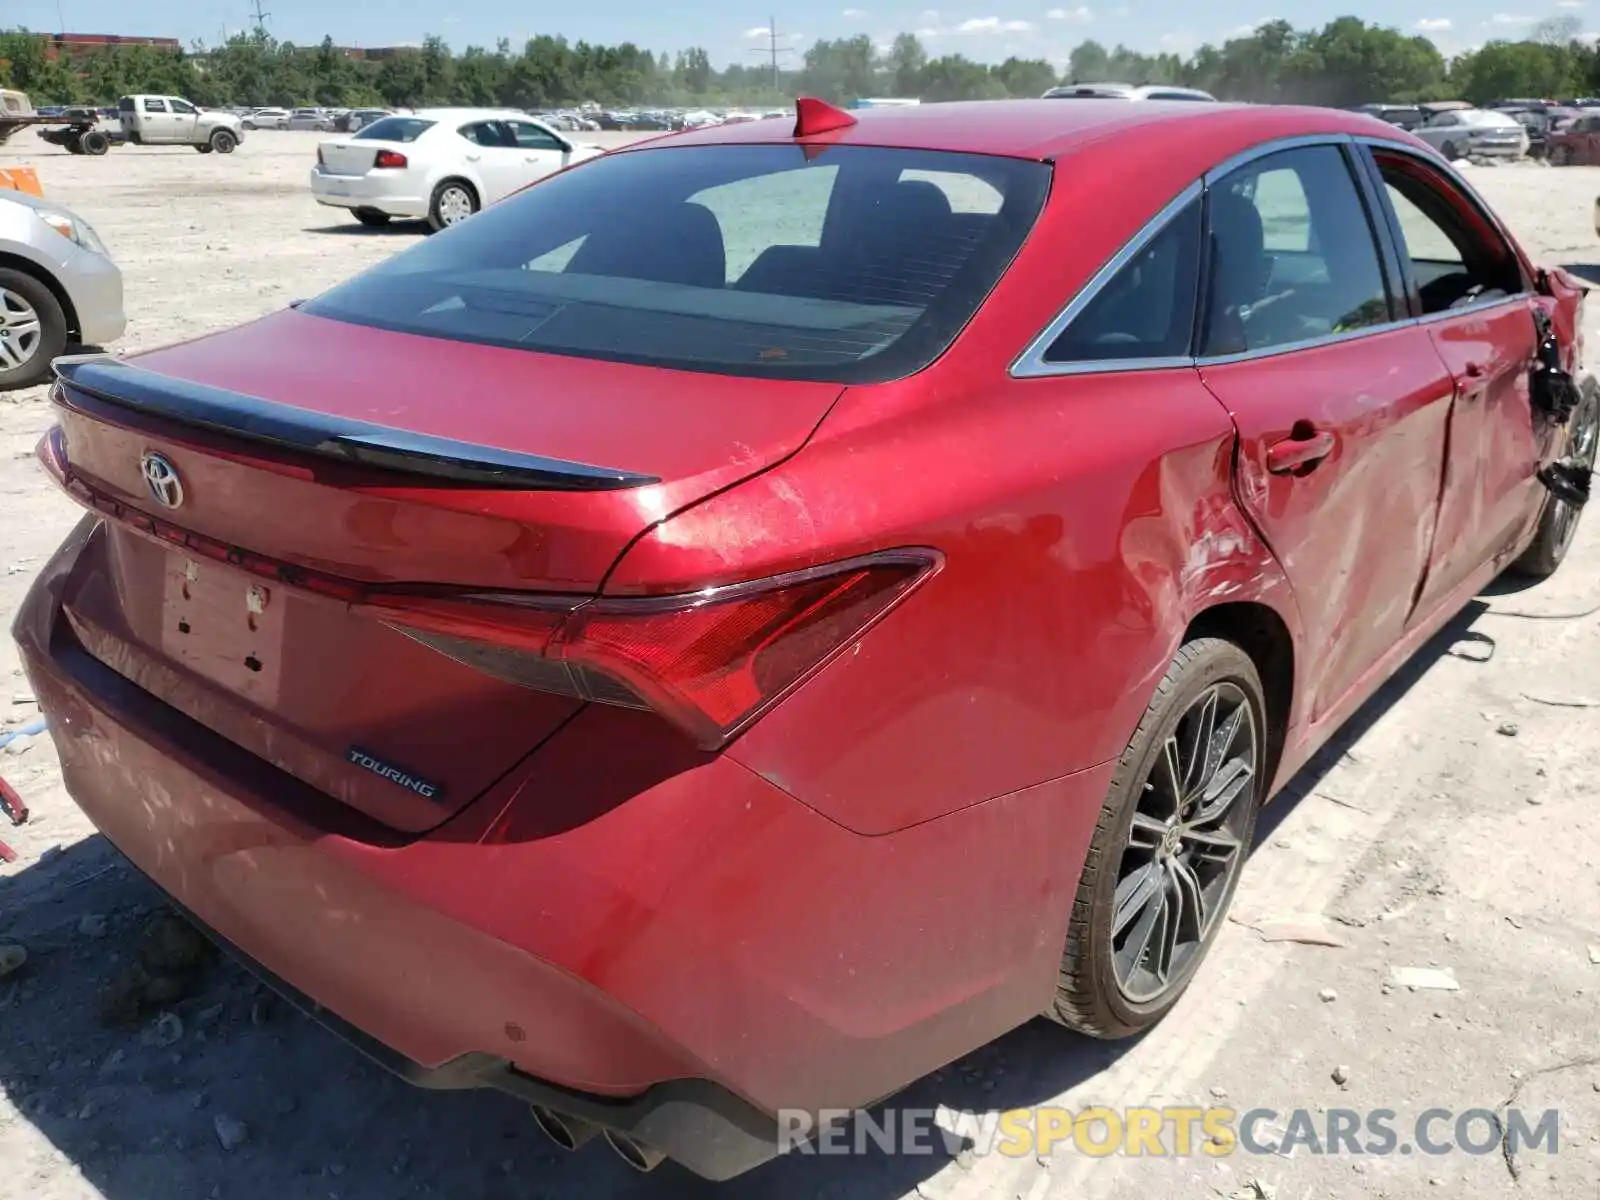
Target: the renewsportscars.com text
pixel 1169 1131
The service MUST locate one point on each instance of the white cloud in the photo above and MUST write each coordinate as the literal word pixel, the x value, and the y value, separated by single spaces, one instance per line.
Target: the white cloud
pixel 1120 10
pixel 1081 15
pixel 1433 24
pixel 926 32
pixel 757 31
pixel 986 25
pixel 1569 3
pixel 854 14
pixel 1177 42
pixel 929 16
pixel 1512 19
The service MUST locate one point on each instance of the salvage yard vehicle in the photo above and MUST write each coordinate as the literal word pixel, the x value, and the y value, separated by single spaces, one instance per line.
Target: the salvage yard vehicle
pixel 1127 91
pixel 1474 133
pixel 743 622
pixel 440 164
pixel 265 118
pixel 174 121
pixel 57 285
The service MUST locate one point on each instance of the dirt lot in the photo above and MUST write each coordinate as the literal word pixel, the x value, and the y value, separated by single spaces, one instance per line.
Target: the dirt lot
pixel 1454 826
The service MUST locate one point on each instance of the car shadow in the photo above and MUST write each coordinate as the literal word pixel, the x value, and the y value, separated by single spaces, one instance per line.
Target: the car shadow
pixel 137 1111
pixel 356 229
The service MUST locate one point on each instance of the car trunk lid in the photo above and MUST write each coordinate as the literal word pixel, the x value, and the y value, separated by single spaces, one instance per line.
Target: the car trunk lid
pixel 354 156
pixel 257 496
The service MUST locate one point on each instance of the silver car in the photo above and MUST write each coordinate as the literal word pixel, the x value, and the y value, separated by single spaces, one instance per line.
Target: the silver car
pixel 1474 132
pixel 58 285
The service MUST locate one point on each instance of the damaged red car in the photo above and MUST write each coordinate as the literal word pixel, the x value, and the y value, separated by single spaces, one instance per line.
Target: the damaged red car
pixel 753 617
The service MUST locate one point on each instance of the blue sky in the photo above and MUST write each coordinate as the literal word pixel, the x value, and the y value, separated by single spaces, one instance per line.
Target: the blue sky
pixel 989 30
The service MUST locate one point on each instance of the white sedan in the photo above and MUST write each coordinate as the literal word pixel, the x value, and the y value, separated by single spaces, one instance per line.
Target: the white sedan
pixel 442 164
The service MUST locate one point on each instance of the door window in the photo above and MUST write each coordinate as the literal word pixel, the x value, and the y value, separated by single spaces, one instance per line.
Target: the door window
pixel 152 105
pixel 487 133
pixel 530 137
pixel 183 106
pixel 1293 257
pixel 1456 257
pixel 1145 310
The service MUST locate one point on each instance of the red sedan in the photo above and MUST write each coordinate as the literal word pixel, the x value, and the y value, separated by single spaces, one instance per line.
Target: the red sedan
pixel 753 617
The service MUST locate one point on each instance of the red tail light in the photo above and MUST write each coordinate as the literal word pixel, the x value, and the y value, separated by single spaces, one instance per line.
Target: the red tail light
pixel 710 662
pixel 389 158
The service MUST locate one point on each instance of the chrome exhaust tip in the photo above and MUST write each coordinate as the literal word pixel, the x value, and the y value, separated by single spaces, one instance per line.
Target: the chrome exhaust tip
pixel 570 1133
pixel 637 1155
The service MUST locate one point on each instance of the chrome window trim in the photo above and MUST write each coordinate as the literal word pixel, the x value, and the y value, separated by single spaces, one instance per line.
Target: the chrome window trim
pixel 1031 364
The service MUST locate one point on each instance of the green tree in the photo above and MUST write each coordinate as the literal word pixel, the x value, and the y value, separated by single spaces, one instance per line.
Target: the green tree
pixel 1025 76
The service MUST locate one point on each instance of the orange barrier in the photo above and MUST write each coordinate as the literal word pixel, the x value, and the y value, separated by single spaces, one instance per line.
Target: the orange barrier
pixel 21 179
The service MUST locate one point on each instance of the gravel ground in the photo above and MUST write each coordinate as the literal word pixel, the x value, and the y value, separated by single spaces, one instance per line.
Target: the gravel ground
pixel 1452 826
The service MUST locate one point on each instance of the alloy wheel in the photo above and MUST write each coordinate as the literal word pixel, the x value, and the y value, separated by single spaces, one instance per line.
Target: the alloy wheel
pixel 20 331
pixel 455 205
pixel 1185 845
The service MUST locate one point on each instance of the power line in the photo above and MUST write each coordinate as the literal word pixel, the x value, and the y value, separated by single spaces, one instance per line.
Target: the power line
pixel 773 48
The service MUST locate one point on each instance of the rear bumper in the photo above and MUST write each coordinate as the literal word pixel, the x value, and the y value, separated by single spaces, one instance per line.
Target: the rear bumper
pixel 386 194
pixel 654 940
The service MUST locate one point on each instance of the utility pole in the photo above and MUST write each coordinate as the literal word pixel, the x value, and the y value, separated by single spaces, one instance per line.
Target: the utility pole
pixel 773 48
pixel 261 18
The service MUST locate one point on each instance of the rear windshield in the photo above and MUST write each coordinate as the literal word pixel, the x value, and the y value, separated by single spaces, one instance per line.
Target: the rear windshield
pixel 850 264
pixel 396 129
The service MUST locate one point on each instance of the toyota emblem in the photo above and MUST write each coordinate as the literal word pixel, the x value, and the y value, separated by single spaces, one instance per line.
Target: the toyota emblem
pixel 161 477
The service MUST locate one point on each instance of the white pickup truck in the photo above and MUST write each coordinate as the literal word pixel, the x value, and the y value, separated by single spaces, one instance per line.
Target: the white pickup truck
pixel 174 121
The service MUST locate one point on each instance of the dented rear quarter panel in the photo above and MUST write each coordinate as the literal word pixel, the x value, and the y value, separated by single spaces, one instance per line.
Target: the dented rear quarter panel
pixel 1084 522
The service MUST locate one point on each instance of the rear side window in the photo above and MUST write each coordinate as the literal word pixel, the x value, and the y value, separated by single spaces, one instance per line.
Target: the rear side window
pixel 851 264
pixel 1293 256
pixel 157 106
pixel 395 129
pixel 1147 309
pixel 125 104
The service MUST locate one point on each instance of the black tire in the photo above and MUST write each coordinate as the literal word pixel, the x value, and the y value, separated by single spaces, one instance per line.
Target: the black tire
pixel 204 148
pixel 52 329
pixel 437 216
pixel 1558 521
pixel 74 145
pixel 1561 156
pixel 94 142
pixel 372 218
pixel 1090 998
pixel 223 141
pixel 247 126
pixel 1449 151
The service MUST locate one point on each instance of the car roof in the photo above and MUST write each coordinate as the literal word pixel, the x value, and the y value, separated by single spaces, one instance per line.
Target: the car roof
pixel 468 114
pixel 1049 129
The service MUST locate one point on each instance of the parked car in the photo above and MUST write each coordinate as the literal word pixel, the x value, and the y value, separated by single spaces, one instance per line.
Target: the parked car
pixel 358 118
pixel 57 285
pixel 1126 91
pixel 675 667
pixel 310 118
pixel 1404 116
pixel 1576 144
pixel 267 118
pixel 1459 133
pixel 440 164
pixel 174 121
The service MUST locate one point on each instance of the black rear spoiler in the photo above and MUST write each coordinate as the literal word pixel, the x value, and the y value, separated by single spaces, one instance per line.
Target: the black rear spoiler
pixel 137 390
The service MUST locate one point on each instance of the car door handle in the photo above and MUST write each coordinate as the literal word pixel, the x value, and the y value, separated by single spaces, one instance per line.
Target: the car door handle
pixel 1292 453
pixel 474 157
